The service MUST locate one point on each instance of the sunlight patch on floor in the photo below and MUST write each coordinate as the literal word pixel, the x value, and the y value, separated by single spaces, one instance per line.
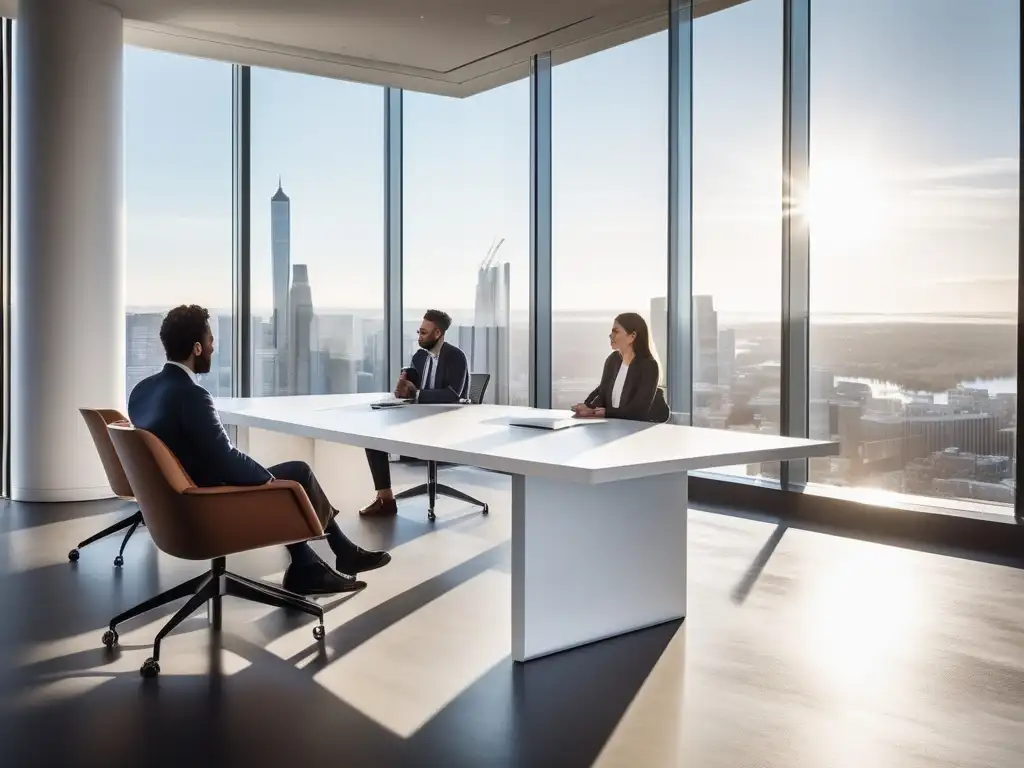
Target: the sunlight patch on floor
pixel 413 563
pixel 406 674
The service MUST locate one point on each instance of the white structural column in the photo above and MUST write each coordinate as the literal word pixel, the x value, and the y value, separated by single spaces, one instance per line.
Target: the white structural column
pixel 68 305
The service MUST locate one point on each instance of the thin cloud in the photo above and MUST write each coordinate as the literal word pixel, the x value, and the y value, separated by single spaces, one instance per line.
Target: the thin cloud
pixel 983 167
pixel 968 193
pixel 977 280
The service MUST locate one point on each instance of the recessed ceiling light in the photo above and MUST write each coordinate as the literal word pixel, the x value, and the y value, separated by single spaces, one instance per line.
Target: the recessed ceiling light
pixel 498 20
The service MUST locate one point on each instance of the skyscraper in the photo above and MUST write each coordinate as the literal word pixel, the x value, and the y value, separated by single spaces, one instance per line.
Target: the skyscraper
pixel 705 341
pixel 300 328
pixel 486 343
pixel 659 327
pixel 726 356
pixel 281 260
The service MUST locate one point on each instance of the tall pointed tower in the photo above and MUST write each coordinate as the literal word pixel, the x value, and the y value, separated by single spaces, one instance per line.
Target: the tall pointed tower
pixel 281 267
pixel 281 261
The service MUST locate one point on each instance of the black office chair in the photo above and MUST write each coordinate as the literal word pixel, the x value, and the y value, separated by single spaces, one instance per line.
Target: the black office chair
pixel 477 388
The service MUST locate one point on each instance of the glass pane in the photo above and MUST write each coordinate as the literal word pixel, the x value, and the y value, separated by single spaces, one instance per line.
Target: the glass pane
pixel 609 204
pixel 466 230
pixel 737 222
pixel 913 209
pixel 177 204
pixel 317 236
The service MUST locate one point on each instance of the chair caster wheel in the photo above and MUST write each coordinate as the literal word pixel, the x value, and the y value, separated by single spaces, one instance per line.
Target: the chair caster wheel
pixel 118 561
pixel 73 555
pixel 431 516
pixel 150 668
pixel 319 632
pixel 110 638
pixel 485 510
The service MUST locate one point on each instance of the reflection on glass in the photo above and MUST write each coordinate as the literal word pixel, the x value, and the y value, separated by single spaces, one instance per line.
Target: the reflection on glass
pixel 466 228
pixel 913 211
pixel 317 236
pixel 177 205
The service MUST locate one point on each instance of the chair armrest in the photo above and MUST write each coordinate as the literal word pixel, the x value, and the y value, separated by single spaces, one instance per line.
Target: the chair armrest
pixel 277 495
pixel 216 490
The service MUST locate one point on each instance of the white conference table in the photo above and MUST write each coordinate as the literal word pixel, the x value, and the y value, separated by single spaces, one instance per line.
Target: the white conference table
pixel 599 511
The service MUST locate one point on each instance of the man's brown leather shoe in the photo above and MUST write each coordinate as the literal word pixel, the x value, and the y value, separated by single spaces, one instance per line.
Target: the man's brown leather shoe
pixel 380 508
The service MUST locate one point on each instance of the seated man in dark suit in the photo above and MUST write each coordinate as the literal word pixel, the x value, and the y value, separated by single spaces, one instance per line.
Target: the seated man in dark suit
pixel 174 407
pixel 439 374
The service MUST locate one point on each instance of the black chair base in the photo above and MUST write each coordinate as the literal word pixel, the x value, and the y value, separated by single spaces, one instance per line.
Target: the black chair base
pixel 210 587
pixel 431 489
pixel 131 523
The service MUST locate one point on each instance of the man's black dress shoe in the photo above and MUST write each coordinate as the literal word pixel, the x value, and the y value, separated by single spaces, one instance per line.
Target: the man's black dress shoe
pixel 318 579
pixel 361 561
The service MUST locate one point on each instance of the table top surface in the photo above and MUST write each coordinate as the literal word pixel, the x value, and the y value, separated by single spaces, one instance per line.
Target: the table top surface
pixel 482 436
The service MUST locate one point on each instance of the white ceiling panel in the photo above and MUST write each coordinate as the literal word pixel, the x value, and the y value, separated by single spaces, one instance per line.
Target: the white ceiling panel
pixel 453 47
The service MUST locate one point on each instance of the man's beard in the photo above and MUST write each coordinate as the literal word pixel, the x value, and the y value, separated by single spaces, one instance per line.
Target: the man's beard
pixel 203 364
pixel 428 345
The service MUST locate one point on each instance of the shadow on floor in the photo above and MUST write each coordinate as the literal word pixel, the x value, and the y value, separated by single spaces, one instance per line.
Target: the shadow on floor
pixel 753 573
pixel 273 712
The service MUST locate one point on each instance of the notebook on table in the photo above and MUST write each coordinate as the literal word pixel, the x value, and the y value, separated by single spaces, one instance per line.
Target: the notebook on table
pixel 552 423
pixel 396 402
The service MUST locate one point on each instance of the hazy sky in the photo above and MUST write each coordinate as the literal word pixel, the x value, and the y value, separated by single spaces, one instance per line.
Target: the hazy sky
pixel 914 153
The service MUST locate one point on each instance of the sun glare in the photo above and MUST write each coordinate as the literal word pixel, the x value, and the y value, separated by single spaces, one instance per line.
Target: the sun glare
pixel 846 201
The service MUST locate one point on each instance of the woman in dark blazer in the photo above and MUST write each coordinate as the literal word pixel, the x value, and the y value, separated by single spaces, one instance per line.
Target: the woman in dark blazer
pixel 629 387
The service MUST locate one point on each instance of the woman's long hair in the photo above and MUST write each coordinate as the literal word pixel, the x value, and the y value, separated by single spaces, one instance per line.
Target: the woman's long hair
pixel 643 344
pixel 631 322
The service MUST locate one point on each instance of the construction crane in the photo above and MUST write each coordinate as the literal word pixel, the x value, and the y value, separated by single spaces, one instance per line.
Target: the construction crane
pixel 492 253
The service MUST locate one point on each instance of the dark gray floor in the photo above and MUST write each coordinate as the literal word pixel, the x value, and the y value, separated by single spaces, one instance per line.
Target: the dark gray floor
pixel 800 649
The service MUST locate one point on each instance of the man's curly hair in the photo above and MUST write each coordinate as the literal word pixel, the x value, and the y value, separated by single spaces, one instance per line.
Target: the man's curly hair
pixel 181 329
pixel 441 319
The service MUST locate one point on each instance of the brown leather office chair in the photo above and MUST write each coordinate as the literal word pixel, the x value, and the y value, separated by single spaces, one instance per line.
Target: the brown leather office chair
pixel 209 523
pixel 97 419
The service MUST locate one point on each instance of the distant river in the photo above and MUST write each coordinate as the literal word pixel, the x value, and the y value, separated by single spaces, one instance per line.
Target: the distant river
pixel 888 390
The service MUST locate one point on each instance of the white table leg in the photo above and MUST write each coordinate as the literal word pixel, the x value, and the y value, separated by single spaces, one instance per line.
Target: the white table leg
pixel 593 561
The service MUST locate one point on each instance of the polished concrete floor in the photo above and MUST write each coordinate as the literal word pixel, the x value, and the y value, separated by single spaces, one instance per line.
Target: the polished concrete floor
pixel 800 650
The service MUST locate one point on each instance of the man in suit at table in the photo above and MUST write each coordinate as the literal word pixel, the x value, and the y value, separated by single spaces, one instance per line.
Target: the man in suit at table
pixel 439 373
pixel 173 406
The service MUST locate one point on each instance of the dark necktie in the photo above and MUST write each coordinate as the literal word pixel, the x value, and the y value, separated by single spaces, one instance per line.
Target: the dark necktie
pixel 428 382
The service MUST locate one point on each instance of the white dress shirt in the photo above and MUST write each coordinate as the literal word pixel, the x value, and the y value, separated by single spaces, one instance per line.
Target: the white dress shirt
pixel 430 371
pixel 620 382
pixel 186 369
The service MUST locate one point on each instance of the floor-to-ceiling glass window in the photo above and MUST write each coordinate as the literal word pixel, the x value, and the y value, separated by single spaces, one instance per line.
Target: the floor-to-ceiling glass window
pixel 177 113
pixel 609 205
pixel 913 210
pixel 466 228
pixel 317 237
pixel 737 220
